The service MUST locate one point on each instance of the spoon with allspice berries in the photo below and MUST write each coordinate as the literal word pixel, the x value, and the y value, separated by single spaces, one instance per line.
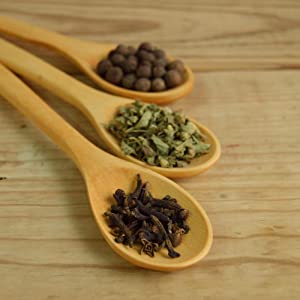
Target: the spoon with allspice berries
pixel 145 73
pixel 103 174
pixel 99 107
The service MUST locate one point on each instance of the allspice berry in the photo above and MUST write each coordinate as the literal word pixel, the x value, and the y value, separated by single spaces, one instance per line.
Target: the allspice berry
pixel 158 53
pixel 145 62
pixel 122 49
pixel 114 75
pixel 173 78
pixel 158 85
pixel 131 50
pixel 145 68
pixel 160 62
pixel 145 55
pixel 144 71
pixel 158 71
pixel 142 84
pixel 117 59
pixel 130 64
pixel 128 81
pixel 146 46
pixel 176 65
pixel 103 66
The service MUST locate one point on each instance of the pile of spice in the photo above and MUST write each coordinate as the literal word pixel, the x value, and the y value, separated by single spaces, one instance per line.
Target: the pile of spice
pixel 153 224
pixel 145 69
pixel 157 135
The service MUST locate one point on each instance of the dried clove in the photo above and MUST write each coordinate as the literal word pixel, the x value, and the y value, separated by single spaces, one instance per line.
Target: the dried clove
pixel 140 219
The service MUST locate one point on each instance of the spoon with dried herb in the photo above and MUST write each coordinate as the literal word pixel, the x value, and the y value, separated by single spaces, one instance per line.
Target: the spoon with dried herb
pixel 86 55
pixel 104 174
pixel 101 108
pixel 158 136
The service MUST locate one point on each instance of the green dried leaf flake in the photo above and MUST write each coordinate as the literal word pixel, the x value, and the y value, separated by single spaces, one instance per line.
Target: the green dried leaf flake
pixel 126 148
pixel 144 120
pixel 202 147
pixel 161 147
pixel 157 135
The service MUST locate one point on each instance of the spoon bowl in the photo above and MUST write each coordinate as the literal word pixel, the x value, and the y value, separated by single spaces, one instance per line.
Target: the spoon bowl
pixel 100 108
pixel 86 55
pixel 104 173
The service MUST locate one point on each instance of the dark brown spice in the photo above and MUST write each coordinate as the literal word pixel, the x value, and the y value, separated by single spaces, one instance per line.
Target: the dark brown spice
pixel 158 71
pixel 145 55
pixel 114 75
pixel 136 223
pixel 145 61
pixel 160 62
pixel 128 81
pixel 103 66
pixel 146 46
pixel 122 49
pixel 130 64
pixel 142 84
pixel 159 53
pixel 144 71
pixel 117 59
pixel 131 50
pixel 176 65
pixel 158 85
pixel 173 78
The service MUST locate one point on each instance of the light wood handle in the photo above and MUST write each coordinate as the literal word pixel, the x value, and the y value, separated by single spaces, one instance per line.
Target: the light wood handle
pixel 41 36
pixel 33 107
pixel 64 86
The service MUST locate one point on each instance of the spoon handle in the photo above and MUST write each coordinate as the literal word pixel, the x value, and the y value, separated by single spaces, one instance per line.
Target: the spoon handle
pixel 32 106
pixel 64 86
pixel 62 43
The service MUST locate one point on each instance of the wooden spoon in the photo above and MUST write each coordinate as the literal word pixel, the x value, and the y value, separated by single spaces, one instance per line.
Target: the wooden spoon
pixel 104 173
pixel 86 55
pixel 98 107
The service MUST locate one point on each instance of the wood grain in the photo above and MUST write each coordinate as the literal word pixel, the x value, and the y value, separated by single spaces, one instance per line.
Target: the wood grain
pixel 50 247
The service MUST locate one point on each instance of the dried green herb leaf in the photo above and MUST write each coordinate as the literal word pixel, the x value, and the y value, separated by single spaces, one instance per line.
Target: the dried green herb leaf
pixel 157 135
pixel 127 149
pixel 162 147
pixel 144 120
pixel 202 147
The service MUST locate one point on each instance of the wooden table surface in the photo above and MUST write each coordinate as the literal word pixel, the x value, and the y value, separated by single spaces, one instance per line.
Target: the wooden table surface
pixel 246 59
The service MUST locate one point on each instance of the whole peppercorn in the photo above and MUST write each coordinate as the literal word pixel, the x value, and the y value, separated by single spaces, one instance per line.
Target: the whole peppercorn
pixel 176 65
pixel 122 49
pixel 173 78
pixel 145 62
pixel 117 59
pixel 142 84
pixel 146 46
pixel 103 66
pixel 145 55
pixel 144 71
pixel 158 84
pixel 130 64
pixel 128 81
pixel 159 53
pixel 160 62
pixel 131 50
pixel 114 75
pixel 111 52
pixel 158 71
